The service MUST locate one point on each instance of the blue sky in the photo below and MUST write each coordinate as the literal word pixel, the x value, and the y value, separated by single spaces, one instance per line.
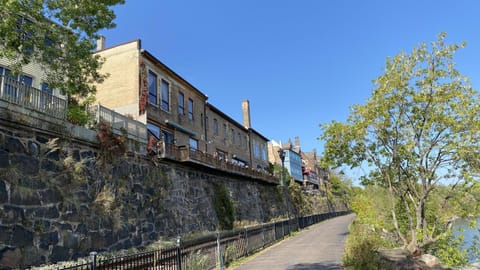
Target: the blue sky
pixel 300 63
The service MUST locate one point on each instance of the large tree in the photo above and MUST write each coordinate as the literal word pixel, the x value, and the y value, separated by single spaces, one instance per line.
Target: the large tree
pixel 419 137
pixel 60 36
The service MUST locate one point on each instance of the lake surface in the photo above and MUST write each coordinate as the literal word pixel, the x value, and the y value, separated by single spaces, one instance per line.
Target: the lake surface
pixel 469 233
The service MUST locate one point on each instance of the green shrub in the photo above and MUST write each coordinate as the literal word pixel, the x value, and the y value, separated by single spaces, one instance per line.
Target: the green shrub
pixel 223 207
pixel 361 247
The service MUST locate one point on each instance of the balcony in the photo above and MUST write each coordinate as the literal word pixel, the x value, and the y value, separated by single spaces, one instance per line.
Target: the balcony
pixel 15 92
pixel 189 155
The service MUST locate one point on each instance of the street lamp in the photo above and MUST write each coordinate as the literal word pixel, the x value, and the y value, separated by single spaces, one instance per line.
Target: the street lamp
pixel 281 154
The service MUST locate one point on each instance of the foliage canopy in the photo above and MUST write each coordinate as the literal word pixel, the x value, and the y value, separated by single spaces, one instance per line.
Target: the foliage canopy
pixel 60 36
pixel 418 134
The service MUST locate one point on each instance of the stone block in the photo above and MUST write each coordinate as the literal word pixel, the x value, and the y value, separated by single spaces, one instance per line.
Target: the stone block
pixel 33 148
pixel 10 257
pixel 12 214
pixel 24 196
pixel 49 165
pixel 26 164
pixel 50 195
pixel 21 236
pixel 53 154
pixel 41 139
pixel 87 154
pixel 59 253
pixel 43 212
pixel 3 192
pixel 5 233
pixel 48 239
pixel 14 145
pixel 70 240
pixel 4 159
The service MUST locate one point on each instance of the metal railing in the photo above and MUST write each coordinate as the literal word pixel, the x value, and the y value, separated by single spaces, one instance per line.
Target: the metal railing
pixel 207 252
pixel 135 130
pixel 185 153
pixel 16 92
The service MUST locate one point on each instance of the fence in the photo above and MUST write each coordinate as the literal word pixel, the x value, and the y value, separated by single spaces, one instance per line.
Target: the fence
pixel 207 252
pixel 18 93
pixel 186 153
pixel 135 130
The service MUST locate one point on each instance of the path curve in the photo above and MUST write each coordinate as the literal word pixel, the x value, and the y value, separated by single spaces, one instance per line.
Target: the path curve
pixel 318 247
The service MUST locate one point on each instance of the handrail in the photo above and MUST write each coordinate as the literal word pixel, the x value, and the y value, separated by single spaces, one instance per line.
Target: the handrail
pixel 185 153
pixel 16 92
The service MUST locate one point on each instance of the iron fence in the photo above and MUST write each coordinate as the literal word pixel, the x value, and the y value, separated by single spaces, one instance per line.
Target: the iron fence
pixel 16 92
pixel 207 252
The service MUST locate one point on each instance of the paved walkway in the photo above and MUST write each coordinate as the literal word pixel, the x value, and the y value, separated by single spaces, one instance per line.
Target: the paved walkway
pixel 319 247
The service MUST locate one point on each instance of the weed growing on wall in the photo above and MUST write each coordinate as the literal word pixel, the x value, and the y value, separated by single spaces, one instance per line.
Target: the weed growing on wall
pixel 223 207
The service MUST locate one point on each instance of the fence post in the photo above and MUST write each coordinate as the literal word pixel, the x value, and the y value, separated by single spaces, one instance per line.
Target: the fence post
pixel 246 241
pixel 219 250
pixel 93 256
pixel 179 254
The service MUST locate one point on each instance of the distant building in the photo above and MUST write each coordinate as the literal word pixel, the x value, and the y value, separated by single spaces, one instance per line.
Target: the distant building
pixel 302 166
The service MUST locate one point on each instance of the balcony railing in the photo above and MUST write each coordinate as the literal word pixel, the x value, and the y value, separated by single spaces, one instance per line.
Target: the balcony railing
pixel 187 154
pixel 18 93
pixel 120 123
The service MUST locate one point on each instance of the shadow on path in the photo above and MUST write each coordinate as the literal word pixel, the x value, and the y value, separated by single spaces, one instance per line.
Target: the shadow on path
pixel 315 266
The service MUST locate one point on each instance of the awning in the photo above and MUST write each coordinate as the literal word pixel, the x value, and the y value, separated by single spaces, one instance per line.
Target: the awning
pixel 180 128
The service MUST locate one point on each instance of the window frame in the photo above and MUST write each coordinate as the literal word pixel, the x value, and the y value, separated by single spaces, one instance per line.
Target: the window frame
pixel 165 95
pixel 190 108
pixel 151 95
pixel 181 103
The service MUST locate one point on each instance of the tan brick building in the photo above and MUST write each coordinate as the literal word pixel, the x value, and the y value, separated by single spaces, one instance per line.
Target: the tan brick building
pixel 176 113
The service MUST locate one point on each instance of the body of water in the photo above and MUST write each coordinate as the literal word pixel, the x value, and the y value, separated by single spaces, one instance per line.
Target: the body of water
pixel 462 226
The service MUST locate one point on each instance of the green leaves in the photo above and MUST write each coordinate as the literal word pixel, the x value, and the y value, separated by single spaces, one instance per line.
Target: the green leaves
pixel 58 35
pixel 418 131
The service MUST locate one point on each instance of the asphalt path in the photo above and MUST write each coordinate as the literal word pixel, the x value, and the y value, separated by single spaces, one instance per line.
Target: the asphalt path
pixel 318 247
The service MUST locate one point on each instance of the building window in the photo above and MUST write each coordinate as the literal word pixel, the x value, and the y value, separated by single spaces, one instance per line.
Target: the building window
pixel 215 127
pixel 9 83
pixel 224 133
pixel 239 137
pixel 193 144
pixel 256 149
pixel 232 136
pixel 190 109
pixel 46 96
pixel 152 87
pixel 154 129
pixel 181 100
pixel 165 96
pixel 167 137
pixel 264 153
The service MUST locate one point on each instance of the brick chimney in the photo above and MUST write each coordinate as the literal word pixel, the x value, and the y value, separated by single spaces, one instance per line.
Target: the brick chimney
pixel 297 144
pixel 246 113
pixel 100 43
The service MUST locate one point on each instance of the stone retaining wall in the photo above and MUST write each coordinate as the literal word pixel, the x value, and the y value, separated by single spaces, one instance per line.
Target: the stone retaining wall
pixel 60 197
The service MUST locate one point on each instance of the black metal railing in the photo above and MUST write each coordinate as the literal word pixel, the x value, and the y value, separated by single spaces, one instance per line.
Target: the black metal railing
pixel 185 153
pixel 207 252
pixel 16 92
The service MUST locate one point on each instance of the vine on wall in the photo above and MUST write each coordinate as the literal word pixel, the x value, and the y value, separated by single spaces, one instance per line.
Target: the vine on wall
pixel 110 144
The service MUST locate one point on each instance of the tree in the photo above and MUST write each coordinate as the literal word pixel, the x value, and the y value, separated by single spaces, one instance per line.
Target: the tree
pixel 60 36
pixel 418 134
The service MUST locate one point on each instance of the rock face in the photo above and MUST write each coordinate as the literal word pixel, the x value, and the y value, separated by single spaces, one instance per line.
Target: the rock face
pixel 399 259
pixel 60 199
